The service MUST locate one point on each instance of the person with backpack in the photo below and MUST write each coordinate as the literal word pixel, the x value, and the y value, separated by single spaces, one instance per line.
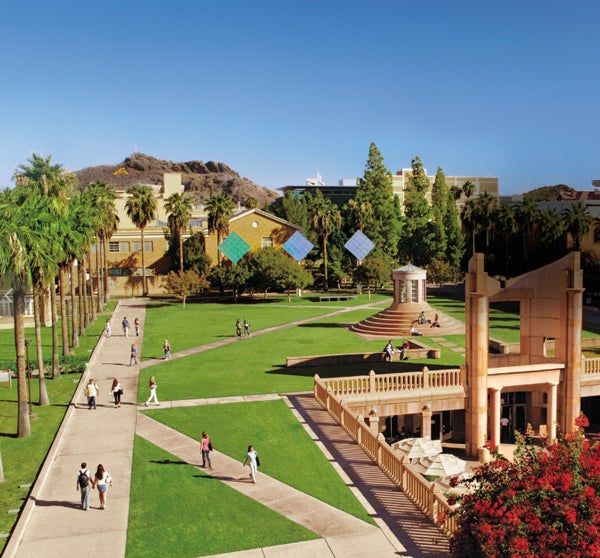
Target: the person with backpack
pixel 84 481
pixel 133 355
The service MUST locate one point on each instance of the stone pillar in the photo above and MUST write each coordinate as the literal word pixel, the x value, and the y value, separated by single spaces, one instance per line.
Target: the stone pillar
pixel 496 412
pixel 374 421
pixel 426 421
pixel 477 341
pixel 573 339
pixel 552 406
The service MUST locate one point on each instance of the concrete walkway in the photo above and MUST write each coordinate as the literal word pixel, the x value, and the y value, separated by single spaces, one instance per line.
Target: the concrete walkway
pixel 52 523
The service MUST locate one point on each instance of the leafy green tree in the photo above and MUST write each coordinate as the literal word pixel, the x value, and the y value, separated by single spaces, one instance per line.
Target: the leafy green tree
pixel 374 271
pixel 455 240
pixel 418 241
pixel 325 218
pixel 141 209
pixel 194 256
pixel 442 272
pixel 380 214
pixel 179 210
pixel 232 277
pixel 292 275
pixel 185 283
pixel 220 208
pixel 360 213
pixel 292 208
pixel 439 209
pixel 578 222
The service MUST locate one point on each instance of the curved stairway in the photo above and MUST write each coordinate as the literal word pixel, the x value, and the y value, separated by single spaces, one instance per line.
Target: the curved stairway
pixel 396 320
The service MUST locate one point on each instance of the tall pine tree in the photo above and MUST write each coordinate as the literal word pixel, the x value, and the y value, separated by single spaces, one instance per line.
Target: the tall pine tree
pixel 383 224
pixel 418 242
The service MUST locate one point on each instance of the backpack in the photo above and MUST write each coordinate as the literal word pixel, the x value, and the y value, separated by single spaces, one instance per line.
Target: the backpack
pixel 84 480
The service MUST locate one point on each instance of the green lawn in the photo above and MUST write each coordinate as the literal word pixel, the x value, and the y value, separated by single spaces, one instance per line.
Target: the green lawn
pixel 176 510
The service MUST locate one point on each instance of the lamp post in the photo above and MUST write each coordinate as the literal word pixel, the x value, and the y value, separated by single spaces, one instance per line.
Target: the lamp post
pixel 28 372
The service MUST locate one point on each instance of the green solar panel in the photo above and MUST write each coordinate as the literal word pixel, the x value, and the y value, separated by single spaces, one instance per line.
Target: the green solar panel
pixel 234 247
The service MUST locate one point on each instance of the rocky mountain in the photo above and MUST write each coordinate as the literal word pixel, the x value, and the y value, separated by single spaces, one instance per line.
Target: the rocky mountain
pixel 201 180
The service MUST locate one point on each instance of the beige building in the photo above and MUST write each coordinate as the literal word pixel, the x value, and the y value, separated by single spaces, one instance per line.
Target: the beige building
pixel 258 228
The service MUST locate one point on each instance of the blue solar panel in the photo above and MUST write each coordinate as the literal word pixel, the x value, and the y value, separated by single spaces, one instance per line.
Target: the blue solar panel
pixel 298 246
pixel 359 245
pixel 234 247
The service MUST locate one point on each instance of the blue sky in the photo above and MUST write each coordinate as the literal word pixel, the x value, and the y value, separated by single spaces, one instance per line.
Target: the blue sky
pixel 282 90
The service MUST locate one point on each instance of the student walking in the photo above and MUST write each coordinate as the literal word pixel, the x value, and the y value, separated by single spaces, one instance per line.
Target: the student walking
pixel 253 461
pixel 116 391
pixel 133 356
pixel 246 327
pixel 102 480
pixel 137 325
pixel 153 396
pixel 167 350
pixel 238 327
pixel 125 324
pixel 107 328
pixel 84 481
pixel 91 391
pixel 206 448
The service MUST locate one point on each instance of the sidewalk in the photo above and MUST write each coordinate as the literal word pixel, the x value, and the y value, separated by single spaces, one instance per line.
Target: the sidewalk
pixel 52 523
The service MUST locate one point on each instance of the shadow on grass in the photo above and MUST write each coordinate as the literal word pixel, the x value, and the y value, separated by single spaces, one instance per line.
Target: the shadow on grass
pixel 168 462
pixel 323 325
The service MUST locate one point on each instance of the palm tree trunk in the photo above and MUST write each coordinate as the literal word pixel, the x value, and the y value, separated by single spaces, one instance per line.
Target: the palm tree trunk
pixel 93 296
pixel 64 322
pixel 180 250
pixel 37 295
pixel 81 298
pixel 84 293
pixel 55 364
pixel 74 313
pixel 23 425
pixel 105 256
pixel 144 283
pixel 325 262
pixel 99 284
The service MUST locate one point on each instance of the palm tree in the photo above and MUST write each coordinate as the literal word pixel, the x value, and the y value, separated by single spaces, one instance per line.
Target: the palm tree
pixel 468 189
pixel 220 209
pixel 506 226
pixel 179 208
pixel 325 218
pixel 15 237
pixel 528 214
pixel 551 229
pixel 578 222
pixel 361 213
pixel 141 209
pixel 104 199
pixel 486 206
pixel 53 182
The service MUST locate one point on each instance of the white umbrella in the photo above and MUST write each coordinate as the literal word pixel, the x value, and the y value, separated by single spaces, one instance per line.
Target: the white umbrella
pixel 442 465
pixel 418 447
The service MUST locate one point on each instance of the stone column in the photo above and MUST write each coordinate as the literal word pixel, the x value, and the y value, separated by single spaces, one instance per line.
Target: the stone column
pixel 477 338
pixel 496 412
pixel 374 421
pixel 573 337
pixel 426 421
pixel 552 407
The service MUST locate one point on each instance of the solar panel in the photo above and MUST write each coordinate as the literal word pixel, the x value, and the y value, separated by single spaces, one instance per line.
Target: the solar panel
pixel 359 245
pixel 234 247
pixel 298 246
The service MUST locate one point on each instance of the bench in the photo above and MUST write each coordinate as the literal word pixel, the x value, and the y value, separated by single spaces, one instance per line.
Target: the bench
pixel 6 377
pixel 329 298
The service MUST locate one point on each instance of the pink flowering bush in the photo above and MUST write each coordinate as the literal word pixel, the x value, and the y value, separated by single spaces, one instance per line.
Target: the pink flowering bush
pixel 545 504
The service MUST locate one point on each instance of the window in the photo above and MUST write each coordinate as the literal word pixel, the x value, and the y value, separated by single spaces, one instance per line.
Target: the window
pixel 119 272
pixel 118 247
pixel 266 242
pixel 137 246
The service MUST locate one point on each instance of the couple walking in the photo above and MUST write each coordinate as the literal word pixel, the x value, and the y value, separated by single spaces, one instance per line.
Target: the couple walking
pixel 85 481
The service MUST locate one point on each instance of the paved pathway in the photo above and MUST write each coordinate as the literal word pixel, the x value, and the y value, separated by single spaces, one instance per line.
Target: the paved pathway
pixel 52 523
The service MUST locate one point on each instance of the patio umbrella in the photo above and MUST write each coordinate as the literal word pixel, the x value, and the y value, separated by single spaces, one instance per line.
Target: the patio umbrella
pixel 442 464
pixel 414 448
